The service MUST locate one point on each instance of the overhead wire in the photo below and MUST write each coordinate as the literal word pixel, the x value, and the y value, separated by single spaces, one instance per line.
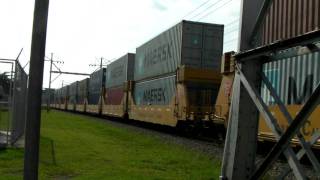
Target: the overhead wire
pixel 213 11
pixel 212 5
pixel 195 9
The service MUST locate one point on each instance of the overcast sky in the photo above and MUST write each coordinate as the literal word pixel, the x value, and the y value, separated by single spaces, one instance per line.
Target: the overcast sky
pixel 82 31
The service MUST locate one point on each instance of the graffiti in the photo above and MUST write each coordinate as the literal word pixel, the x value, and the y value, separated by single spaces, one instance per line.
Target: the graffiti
pixel 293 96
pixel 158 55
pixel 154 95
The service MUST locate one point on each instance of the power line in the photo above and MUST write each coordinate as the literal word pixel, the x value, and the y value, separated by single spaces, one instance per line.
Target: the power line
pixel 229 41
pixel 230 31
pixel 214 10
pixel 196 9
pixel 232 22
pixel 206 9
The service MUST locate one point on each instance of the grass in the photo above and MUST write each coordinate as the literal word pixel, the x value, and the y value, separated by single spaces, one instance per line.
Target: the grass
pixel 85 148
pixel 3 120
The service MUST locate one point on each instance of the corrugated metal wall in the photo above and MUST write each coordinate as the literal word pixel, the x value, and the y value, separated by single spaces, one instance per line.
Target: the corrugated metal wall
pixel 290 18
pixel 155 92
pixel 64 94
pixel 120 71
pixel 96 82
pixel 73 91
pixel 82 90
pixel 188 43
pixel 114 95
pixel 294 78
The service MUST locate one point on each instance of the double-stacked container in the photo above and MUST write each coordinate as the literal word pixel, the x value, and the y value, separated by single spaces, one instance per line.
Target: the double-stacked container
pixel 96 89
pixel 64 98
pixel 57 98
pixel 73 96
pixel 83 91
pixel 177 75
pixel 118 75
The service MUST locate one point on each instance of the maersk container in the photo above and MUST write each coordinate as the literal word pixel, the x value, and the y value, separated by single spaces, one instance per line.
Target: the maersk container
pixel 64 96
pixel 114 95
pixel 191 44
pixel 158 91
pixel 294 79
pixel 82 90
pixel 65 91
pixel 96 84
pixel 120 71
pixel 73 92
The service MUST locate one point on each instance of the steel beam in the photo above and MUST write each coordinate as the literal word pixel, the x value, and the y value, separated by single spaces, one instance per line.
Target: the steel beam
pixel 239 155
pixel 302 40
pixel 273 125
pixel 284 141
pixel 12 60
pixel 249 10
pixel 72 73
pixel 286 114
pixel 300 154
pixel 262 14
pixel 32 136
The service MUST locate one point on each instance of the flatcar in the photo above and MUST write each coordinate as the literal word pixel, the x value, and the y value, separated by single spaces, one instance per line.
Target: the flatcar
pixel 179 79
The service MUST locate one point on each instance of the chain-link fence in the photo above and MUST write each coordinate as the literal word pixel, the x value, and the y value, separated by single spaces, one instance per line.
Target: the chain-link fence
pixel 6 84
pixel 19 103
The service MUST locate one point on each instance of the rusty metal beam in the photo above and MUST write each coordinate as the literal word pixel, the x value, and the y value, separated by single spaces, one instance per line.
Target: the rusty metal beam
pixel 284 141
pixel 286 114
pixel 303 40
pixel 273 125
pixel 262 14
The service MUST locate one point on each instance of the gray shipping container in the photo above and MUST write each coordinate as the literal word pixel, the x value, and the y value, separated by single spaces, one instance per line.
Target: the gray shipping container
pixel 155 92
pixel 120 71
pixel 82 90
pixel 294 79
pixel 64 91
pixel 96 84
pixel 192 44
pixel 73 92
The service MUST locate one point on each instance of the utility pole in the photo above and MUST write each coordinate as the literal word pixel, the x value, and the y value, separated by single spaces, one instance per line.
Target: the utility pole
pixel 49 91
pixel 101 63
pixel 32 136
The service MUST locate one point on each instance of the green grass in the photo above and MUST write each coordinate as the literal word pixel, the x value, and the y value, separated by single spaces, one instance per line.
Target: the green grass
pixel 4 120
pixel 85 148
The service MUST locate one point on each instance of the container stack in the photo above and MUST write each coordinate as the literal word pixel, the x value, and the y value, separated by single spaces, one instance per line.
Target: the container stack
pixel 96 87
pixel 82 94
pixel 118 73
pixel 64 97
pixel 73 96
pixel 187 44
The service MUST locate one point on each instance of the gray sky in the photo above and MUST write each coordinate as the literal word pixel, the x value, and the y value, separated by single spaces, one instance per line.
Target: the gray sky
pixel 82 31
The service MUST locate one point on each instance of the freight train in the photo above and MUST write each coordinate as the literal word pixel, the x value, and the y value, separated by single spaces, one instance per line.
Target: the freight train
pixel 181 79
